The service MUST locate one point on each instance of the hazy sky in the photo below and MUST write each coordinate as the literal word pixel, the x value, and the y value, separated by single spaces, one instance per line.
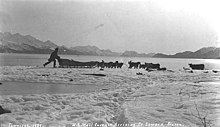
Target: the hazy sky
pixel 166 26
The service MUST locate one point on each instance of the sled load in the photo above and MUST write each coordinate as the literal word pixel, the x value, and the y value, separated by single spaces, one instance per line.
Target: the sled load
pixel 76 64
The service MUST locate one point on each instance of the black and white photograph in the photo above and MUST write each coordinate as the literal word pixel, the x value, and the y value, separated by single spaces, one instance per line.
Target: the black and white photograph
pixel 109 63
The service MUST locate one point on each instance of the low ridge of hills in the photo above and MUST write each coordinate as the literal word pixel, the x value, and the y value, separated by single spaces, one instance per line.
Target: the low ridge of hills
pixel 136 54
pixel 17 43
pixel 203 53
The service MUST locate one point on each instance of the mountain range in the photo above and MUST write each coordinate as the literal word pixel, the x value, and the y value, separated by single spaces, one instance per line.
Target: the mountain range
pixel 17 43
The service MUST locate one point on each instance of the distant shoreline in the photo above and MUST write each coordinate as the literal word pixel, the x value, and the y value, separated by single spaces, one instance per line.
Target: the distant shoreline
pixel 112 56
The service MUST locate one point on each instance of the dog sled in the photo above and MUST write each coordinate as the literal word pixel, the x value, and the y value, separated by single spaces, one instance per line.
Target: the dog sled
pixel 66 63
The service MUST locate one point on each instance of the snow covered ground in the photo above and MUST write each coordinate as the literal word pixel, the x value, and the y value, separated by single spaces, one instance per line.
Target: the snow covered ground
pixel 122 98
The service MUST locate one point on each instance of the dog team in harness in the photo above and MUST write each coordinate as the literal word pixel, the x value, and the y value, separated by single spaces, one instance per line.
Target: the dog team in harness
pixel 116 64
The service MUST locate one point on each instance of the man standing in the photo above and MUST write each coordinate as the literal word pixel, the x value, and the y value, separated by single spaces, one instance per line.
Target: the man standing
pixel 53 58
